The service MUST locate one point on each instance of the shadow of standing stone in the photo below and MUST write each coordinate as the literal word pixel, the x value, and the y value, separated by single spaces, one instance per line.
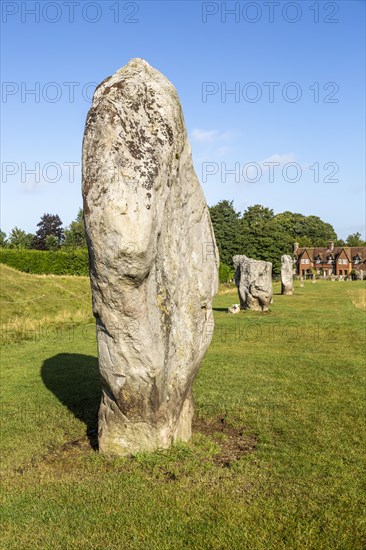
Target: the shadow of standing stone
pixel 74 379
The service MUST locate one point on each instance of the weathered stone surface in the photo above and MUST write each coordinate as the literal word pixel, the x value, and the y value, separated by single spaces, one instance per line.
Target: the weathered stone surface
pixel 254 281
pixel 235 308
pixel 359 274
pixel 287 282
pixel 153 260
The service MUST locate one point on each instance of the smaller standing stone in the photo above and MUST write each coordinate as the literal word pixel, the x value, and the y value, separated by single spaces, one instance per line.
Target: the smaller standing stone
pixel 254 281
pixel 301 282
pixel 287 283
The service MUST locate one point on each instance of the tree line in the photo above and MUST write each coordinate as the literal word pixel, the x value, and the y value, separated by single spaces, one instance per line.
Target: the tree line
pixel 257 232
pixel 50 235
pixel 260 234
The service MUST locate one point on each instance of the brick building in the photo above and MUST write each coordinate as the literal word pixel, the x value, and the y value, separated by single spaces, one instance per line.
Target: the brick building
pixel 334 260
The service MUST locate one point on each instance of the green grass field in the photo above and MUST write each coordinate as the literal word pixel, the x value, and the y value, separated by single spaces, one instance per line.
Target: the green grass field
pixel 276 459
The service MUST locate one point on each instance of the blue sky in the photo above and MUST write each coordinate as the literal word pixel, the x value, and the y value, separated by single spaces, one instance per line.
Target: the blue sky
pixel 292 133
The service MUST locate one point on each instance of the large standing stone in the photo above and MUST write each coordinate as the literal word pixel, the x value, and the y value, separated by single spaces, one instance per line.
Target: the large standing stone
pixel 254 281
pixel 287 282
pixel 153 260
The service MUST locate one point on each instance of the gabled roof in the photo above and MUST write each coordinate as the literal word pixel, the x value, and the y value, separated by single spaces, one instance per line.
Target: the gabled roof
pixel 324 253
pixel 358 251
pixel 347 251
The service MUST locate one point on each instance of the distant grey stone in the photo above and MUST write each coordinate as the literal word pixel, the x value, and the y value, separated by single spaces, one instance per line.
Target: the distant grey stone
pixel 153 260
pixel 359 274
pixel 287 283
pixel 235 308
pixel 254 281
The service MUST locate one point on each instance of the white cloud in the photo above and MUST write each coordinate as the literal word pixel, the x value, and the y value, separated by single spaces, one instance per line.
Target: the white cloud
pixel 281 159
pixel 209 136
pixel 269 168
pixel 223 150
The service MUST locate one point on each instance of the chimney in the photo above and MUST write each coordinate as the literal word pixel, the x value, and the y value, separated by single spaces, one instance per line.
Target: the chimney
pixel 296 246
pixel 331 245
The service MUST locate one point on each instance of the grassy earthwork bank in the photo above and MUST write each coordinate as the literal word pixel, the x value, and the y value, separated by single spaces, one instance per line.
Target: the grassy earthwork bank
pixel 276 457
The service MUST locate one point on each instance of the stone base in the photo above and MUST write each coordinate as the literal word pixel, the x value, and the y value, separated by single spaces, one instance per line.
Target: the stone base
pixel 117 436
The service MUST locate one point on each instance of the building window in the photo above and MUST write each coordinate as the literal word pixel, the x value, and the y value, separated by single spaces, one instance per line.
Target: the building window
pixel 340 272
pixel 305 261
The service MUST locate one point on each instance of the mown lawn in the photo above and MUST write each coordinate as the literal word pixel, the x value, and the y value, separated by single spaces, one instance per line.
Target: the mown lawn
pixel 278 448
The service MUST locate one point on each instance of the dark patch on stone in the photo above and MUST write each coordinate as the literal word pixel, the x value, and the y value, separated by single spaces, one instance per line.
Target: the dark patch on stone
pixel 169 131
pixel 103 82
pixel 141 144
pixel 154 398
pixel 119 85
pixel 90 119
pixel 86 205
pixel 135 151
pixel 131 403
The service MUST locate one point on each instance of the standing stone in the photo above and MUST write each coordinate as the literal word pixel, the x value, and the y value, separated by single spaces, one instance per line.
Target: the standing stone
pixel 153 260
pixel 254 281
pixel 287 282
pixel 301 282
pixel 358 275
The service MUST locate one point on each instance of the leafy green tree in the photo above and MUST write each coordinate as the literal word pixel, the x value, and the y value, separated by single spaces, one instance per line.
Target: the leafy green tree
pixel 339 242
pixel 3 240
pixel 254 230
pixel 20 239
pixel 50 224
pixel 318 231
pixel 225 273
pixel 257 215
pixel 355 240
pixel 52 243
pixel 75 233
pixel 306 230
pixel 305 242
pixel 263 237
pixel 225 221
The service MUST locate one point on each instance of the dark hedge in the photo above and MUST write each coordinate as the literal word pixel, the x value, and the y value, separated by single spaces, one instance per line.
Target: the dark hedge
pixel 39 262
